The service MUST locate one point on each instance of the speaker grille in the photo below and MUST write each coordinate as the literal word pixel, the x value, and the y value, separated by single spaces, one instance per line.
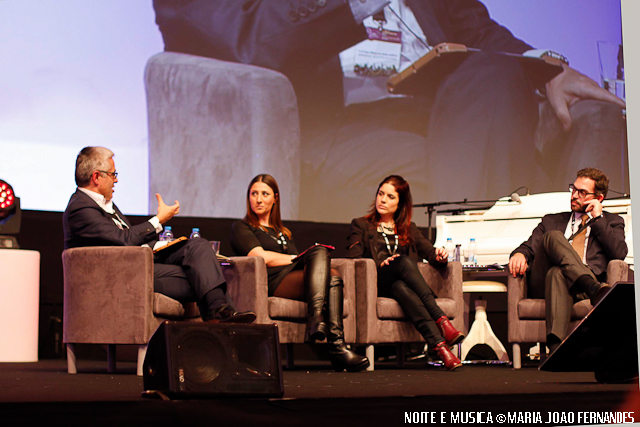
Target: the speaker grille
pixel 200 359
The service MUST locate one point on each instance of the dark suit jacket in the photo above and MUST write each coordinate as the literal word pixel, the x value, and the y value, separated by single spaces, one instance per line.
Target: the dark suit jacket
pixel 363 237
pixel 274 34
pixel 606 239
pixel 87 224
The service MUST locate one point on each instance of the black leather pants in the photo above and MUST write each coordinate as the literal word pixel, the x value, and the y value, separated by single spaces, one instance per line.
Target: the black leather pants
pixel 402 281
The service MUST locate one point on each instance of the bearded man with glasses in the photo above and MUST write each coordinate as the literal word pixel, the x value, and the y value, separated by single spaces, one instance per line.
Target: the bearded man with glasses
pixel 568 253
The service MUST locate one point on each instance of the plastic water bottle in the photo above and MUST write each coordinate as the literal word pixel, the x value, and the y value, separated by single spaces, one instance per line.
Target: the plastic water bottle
pixel 195 232
pixel 450 248
pixel 472 252
pixel 167 234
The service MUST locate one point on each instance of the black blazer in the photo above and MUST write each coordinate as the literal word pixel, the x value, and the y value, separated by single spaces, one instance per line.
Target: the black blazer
pixel 87 224
pixel 606 239
pixel 364 235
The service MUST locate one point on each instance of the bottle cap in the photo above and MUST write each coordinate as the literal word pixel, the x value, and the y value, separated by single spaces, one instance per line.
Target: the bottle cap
pixel 196 229
pixel 168 227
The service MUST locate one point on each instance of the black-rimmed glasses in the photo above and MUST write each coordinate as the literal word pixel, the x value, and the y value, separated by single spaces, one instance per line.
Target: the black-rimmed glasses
pixel 582 193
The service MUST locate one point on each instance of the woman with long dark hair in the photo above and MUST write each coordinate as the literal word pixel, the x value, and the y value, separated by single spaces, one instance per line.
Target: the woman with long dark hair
pixel 387 235
pixel 308 278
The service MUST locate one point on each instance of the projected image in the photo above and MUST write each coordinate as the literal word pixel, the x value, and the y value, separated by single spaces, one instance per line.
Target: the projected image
pixel 475 124
pixel 298 90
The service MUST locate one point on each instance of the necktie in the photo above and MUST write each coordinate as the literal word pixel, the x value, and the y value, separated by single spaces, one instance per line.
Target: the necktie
pixel 578 241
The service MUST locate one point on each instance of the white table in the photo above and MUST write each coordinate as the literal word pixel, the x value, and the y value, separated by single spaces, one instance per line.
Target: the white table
pixel 481 332
pixel 19 305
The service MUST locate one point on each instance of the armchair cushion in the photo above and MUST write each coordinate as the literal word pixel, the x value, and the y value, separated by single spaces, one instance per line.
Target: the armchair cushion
pixel 534 309
pixel 389 309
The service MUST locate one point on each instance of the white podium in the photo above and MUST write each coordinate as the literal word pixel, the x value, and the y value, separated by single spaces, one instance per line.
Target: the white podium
pixel 19 305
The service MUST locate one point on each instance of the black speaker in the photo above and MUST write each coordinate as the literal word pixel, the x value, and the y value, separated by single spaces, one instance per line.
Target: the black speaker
pixel 187 359
pixel 604 342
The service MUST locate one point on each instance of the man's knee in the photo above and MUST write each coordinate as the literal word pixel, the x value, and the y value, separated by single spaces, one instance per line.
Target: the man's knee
pixel 551 237
pixel 554 276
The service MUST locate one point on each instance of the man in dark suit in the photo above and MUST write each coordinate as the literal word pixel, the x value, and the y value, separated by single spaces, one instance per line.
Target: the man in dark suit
pixel 563 271
pixel 480 118
pixel 189 273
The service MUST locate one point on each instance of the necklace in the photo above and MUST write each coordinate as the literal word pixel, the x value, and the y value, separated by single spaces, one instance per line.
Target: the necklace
pixel 386 240
pixel 387 228
pixel 279 240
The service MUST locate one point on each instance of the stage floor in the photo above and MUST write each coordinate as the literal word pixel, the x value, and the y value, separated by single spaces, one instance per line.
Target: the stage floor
pixel 314 395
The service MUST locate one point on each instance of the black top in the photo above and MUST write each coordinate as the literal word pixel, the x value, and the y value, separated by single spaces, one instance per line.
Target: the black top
pixel 364 237
pixel 383 249
pixel 244 238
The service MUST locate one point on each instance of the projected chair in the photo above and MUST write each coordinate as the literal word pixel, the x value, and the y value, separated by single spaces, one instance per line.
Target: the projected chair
pixel 526 316
pixel 219 124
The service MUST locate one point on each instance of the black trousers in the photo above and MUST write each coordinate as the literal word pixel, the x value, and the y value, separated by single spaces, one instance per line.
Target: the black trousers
pixel 188 273
pixel 402 281
pixel 556 266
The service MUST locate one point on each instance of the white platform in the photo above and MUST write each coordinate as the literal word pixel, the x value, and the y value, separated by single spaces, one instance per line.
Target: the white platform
pixel 19 305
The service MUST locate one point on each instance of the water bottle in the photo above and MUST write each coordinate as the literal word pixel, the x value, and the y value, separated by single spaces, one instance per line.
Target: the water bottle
pixel 450 249
pixel 458 253
pixel 195 232
pixel 472 252
pixel 167 234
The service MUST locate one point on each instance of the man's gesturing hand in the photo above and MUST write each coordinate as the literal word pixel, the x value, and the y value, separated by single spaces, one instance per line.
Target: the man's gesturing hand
pixel 166 212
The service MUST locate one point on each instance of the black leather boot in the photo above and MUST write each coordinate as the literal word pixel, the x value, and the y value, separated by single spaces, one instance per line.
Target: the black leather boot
pixel 340 355
pixel 316 277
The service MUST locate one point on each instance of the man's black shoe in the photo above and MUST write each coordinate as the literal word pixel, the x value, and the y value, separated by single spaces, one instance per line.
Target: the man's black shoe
pixel 227 314
pixel 597 294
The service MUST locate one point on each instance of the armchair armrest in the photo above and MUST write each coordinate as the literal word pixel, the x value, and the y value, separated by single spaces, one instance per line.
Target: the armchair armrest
pixel 618 271
pixel 205 106
pixel 516 292
pixel 108 295
pixel 247 285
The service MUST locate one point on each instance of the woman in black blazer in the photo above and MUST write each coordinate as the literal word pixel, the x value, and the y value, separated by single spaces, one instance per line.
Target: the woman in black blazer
pixel 388 236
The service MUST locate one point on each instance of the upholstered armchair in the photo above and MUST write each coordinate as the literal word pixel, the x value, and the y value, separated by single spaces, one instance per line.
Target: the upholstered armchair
pixel 381 320
pixel 219 124
pixel 526 316
pixel 247 284
pixel 109 299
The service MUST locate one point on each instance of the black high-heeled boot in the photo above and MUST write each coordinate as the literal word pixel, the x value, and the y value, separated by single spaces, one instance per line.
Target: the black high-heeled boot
pixel 340 355
pixel 316 277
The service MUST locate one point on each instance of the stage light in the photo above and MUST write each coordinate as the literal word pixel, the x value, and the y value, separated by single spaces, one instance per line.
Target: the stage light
pixel 7 197
pixel 10 215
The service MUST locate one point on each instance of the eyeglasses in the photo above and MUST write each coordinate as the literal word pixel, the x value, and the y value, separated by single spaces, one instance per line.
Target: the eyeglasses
pixel 113 175
pixel 581 193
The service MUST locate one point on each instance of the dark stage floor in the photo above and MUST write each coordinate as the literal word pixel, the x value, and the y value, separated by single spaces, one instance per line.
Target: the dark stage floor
pixel 314 395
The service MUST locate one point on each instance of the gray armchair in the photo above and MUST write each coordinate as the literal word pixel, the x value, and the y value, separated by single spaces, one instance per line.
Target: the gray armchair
pixel 109 299
pixel 381 320
pixel 526 316
pixel 247 284
pixel 219 124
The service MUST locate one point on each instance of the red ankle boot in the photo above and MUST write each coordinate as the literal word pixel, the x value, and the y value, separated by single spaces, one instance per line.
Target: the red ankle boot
pixel 450 334
pixel 449 359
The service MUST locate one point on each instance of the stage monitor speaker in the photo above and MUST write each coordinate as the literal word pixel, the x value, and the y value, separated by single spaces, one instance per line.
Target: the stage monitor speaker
pixel 604 342
pixel 187 359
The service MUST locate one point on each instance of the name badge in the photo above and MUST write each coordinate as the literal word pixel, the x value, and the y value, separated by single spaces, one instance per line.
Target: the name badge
pixel 380 54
